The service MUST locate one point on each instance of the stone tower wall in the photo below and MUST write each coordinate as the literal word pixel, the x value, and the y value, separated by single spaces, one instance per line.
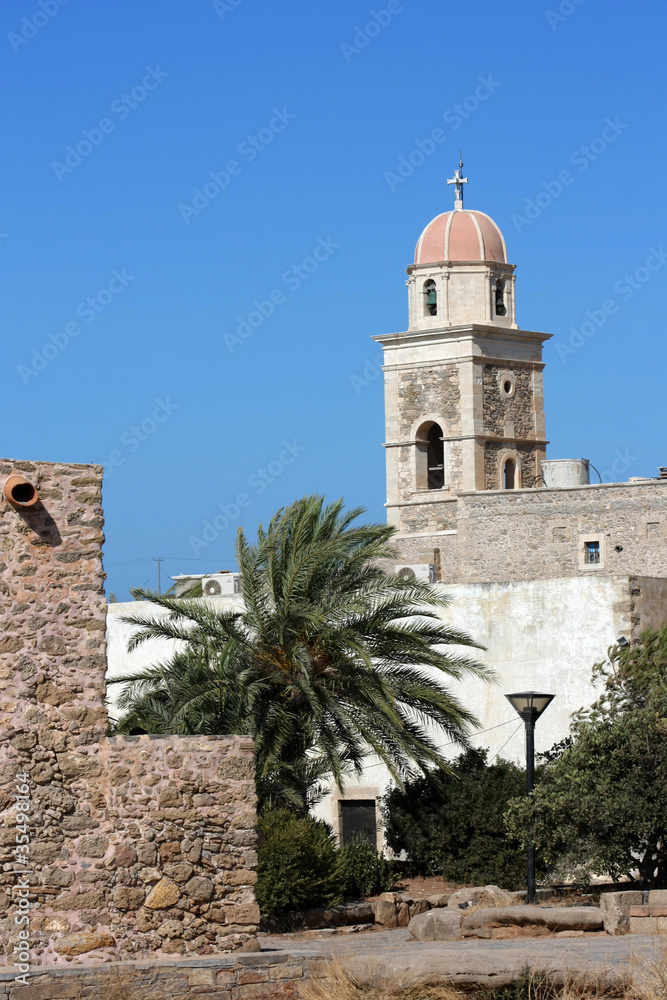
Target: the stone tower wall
pixel 122 847
pixel 431 393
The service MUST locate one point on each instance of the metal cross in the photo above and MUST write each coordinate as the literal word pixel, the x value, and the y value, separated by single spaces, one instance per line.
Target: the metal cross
pixel 459 181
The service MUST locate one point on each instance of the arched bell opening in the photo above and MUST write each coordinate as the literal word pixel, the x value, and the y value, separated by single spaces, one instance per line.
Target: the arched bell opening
pixel 430 298
pixel 430 457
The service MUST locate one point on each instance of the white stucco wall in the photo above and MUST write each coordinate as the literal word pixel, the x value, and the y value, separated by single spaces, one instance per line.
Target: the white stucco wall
pixel 539 635
pixel 120 661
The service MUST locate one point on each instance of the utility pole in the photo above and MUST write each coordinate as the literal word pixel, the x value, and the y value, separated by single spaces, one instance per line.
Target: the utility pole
pixel 158 561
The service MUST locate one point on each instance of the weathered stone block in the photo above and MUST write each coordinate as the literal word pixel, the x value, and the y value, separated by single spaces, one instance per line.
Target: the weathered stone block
pixel 241 913
pixel 93 847
pixel 169 851
pixel 615 910
pixel 125 897
pixel 554 918
pixel 83 942
pixel 200 889
pixel 124 856
pixel 440 924
pixel 241 876
pixel 643 925
pixel 385 913
pixel 488 895
pixel 163 895
pixel 419 906
pixel 80 901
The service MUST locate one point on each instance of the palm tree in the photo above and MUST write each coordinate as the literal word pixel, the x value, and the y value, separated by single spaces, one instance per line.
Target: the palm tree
pixel 331 660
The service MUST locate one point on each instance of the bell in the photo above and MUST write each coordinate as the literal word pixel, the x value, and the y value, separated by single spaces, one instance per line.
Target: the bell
pixel 432 297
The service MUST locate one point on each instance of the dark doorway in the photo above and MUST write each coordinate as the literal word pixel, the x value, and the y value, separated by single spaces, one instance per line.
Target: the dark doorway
pixel 358 817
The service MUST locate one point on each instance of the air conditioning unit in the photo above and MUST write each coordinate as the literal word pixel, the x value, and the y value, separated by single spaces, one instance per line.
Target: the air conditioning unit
pixel 422 572
pixel 221 584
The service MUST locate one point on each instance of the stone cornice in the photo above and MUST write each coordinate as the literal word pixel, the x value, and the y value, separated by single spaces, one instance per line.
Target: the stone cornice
pixel 471 331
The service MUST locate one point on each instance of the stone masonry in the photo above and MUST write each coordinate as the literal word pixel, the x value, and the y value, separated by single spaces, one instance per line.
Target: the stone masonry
pixel 136 846
pixel 533 534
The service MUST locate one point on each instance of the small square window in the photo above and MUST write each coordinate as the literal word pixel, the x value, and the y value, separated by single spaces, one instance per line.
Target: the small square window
pixel 560 534
pixel 591 553
pixel 652 529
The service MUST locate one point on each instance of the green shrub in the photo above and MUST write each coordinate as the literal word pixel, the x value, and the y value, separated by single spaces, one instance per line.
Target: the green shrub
pixel 297 864
pixel 363 871
pixel 452 825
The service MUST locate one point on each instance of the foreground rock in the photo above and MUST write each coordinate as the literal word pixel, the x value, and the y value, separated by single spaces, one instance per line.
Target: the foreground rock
pixel 487 895
pixel 553 918
pixel 436 925
pixel 615 910
pixel 449 924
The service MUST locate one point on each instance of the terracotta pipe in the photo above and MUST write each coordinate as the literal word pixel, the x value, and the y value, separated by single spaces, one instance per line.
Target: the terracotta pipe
pixel 20 492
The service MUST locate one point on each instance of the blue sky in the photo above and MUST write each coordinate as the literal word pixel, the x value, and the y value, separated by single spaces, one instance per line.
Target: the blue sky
pixel 124 293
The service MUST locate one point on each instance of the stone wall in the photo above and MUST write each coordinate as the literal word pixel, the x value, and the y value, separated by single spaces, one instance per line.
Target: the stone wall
pixel 433 393
pixel 500 410
pixel 527 465
pixel 271 976
pixel 136 845
pixel 538 533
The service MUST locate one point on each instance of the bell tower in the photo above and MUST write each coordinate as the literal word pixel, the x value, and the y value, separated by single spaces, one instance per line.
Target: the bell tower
pixel 464 408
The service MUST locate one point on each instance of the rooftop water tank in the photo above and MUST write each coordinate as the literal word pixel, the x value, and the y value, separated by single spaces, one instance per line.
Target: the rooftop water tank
pixel 563 472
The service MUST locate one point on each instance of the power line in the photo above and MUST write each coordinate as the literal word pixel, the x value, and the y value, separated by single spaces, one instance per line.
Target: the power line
pixel 135 562
pixel 507 741
pixel 481 732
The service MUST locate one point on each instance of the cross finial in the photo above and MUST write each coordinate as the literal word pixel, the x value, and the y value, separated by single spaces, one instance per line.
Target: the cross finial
pixel 459 181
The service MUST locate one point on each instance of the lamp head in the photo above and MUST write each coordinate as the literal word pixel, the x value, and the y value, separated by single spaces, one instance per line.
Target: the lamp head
pixel 529 704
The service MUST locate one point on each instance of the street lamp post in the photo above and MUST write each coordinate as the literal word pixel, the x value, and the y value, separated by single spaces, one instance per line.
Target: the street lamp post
pixel 530 705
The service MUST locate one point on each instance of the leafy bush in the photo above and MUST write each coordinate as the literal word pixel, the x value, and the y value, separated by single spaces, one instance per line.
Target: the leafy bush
pixel 452 824
pixel 363 871
pixel 297 866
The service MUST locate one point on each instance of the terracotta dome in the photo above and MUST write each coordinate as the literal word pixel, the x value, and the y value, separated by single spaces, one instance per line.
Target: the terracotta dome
pixel 461 235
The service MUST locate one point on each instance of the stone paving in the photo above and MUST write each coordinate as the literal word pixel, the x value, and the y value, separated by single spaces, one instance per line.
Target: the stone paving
pixel 396 954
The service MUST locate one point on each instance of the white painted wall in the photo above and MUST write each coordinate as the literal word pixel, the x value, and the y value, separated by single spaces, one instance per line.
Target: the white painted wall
pixel 540 635
pixel 120 661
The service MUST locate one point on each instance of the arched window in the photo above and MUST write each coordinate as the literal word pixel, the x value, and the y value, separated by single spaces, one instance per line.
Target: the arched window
pixel 430 299
pixel 509 474
pixel 430 458
pixel 500 298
